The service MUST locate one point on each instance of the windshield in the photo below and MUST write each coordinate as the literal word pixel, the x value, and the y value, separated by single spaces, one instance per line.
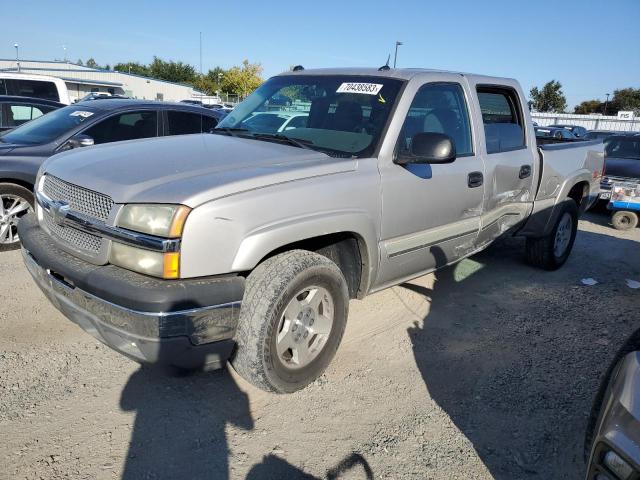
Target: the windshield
pixel 623 147
pixel 47 128
pixel 342 115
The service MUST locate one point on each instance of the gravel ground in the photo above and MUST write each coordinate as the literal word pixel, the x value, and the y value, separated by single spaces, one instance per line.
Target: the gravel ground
pixel 485 370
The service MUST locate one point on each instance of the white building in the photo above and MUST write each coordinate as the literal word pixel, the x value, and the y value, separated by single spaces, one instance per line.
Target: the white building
pixel 81 80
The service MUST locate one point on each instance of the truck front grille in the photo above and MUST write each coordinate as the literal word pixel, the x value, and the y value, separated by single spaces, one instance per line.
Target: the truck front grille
pixel 81 200
pixel 82 240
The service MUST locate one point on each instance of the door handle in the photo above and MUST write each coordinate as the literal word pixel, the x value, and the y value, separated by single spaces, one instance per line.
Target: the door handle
pixel 525 171
pixel 475 179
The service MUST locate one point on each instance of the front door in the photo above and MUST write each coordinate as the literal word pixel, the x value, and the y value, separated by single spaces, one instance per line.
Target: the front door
pixel 431 213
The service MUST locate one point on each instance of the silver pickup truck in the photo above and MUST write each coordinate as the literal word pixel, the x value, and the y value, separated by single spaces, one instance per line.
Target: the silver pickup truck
pixel 247 244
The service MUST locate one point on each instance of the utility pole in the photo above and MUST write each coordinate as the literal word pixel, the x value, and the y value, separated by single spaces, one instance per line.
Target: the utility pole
pixel 17 56
pixel 395 57
pixel 606 104
pixel 201 66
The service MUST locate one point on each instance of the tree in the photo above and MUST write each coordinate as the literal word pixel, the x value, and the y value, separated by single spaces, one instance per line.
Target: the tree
pixel 215 77
pixel 625 99
pixel 244 79
pixel 132 67
pixel 171 71
pixel 550 98
pixel 79 62
pixel 91 63
pixel 589 106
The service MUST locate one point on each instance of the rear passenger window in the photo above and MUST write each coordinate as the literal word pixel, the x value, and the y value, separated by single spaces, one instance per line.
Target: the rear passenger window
pixel 34 89
pixel 502 118
pixel 182 123
pixel 439 108
pixel 126 126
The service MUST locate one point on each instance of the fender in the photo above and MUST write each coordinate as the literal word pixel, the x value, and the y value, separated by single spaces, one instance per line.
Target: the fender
pixel 261 242
pixel 545 210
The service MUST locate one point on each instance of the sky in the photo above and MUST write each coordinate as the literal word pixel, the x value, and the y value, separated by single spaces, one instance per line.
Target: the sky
pixel 592 47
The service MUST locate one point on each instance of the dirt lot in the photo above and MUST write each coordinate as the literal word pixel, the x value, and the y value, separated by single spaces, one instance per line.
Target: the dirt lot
pixel 486 370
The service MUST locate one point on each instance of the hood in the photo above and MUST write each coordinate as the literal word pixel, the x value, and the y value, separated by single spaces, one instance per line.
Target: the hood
pixel 622 167
pixel 188 169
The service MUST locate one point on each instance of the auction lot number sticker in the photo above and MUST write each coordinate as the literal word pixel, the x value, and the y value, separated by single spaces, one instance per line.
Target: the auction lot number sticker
pixel 364 88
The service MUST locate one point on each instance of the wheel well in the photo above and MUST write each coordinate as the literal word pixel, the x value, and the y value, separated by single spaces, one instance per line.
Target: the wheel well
pixel 578 192
pixel 345 249
pixel 26 185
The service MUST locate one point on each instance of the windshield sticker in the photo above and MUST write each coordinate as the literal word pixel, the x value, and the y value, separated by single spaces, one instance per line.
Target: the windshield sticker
pixel 80 113
pixel 363 88
pixel 381 98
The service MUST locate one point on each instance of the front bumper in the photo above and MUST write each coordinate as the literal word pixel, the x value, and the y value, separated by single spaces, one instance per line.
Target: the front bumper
pixel 183 323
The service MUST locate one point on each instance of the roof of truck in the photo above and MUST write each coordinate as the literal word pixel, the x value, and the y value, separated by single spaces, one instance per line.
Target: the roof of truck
pixel 400 73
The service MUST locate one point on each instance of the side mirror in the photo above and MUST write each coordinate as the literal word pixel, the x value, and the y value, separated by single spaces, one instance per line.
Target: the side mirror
pixel 79 140
pixel 429 147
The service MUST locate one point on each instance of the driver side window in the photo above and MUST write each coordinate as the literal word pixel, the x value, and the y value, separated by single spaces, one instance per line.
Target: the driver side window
pixel 438 108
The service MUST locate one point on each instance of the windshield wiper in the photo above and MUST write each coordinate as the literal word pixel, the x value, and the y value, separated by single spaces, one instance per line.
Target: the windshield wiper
pixel 283 138
pixel 231 131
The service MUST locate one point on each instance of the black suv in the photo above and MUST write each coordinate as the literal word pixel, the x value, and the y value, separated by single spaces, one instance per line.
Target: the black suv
pixel 23 149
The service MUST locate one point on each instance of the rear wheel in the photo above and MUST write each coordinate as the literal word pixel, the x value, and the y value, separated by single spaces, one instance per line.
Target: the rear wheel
pixel 551 251
pixel 15 202
pixel 623 220
pixel 292 319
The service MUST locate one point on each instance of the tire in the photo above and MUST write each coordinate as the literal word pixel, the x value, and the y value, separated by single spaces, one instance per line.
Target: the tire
pixel 623 220
pixel 542 252
pixel 9 194
pixel 268 322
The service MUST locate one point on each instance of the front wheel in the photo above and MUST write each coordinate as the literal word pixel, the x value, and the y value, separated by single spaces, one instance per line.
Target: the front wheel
pixel 292 319
pixel 551 251
pixel 15 202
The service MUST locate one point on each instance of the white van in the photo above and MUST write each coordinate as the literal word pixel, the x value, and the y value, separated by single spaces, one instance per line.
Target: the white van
pixel 37 86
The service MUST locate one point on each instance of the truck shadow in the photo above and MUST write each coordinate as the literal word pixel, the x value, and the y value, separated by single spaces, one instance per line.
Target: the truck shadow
pixel 513 355
pixel 179 430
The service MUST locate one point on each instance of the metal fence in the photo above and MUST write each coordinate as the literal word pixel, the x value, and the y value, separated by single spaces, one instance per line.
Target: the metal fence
pixel 590 122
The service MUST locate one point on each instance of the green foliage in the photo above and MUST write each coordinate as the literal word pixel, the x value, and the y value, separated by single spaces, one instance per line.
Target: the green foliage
pixel 625 99
pixel 132 67
pixel 91 63
pixel 79 62
pixel 242 80
pixel 550 98
pixel 171 71
pixel 589 106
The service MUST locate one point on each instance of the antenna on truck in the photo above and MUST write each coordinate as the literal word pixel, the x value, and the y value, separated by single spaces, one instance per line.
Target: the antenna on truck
pixel 386 65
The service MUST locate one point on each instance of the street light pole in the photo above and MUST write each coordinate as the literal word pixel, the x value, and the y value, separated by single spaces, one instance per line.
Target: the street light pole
pixel 606 103
pixel 17 56
pixel 395 57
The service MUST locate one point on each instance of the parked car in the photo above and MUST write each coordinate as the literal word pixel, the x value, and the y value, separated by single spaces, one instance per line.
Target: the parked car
pixel 34 86
pixel 622 165
pixel 612 444
pixel 273 122
pixel 102 96
pixel 248 245
pixel 14 111
pixel 578 131
pixel 561 134
pixel 600 134
pixel 23 149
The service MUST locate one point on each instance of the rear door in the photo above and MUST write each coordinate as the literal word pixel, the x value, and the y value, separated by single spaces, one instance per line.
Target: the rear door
pixel 508 161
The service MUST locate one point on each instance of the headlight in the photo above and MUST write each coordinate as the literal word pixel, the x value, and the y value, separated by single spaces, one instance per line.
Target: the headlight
pixel 154 219
pixel 156 264
pixel 160 220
